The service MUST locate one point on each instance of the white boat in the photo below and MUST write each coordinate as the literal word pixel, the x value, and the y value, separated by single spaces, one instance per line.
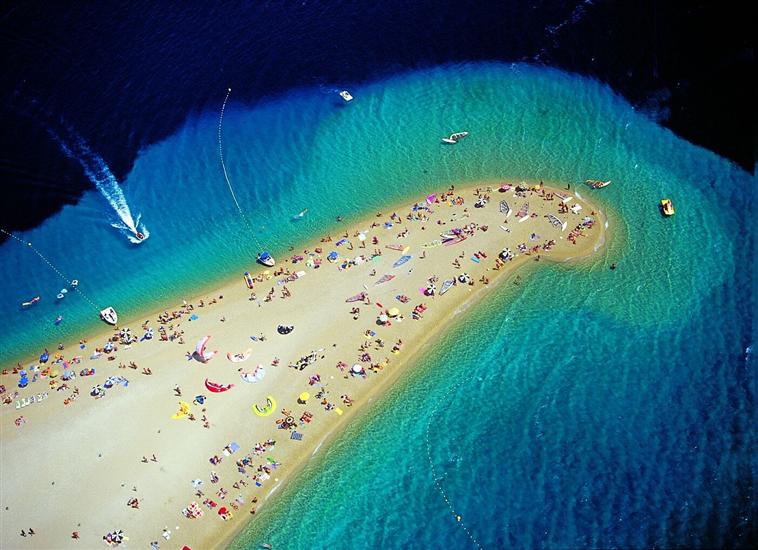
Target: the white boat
pixel 109 315
pixel 344 94
pixel 454 137
pixel 266 259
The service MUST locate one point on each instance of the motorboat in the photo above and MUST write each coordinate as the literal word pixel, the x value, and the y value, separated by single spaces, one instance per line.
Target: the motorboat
pixel 266 259
pixel 597 184
pixel 454 137
pixel 667 207
pixel 109 315
pixel 140 236
pixel 344 94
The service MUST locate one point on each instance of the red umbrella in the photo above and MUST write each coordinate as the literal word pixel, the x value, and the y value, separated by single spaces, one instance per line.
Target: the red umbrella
pixel 222 511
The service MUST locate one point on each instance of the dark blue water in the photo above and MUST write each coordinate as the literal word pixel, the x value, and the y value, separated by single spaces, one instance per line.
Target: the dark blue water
pixel 127 75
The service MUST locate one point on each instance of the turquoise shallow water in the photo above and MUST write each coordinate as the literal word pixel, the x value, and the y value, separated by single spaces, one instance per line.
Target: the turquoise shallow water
pixel 591 407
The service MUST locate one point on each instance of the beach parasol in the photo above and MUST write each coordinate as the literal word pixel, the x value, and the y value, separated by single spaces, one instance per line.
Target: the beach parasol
pixel 357 368
pixel 383 318
pixel 361 237
pixel 393 312
pixel 304 396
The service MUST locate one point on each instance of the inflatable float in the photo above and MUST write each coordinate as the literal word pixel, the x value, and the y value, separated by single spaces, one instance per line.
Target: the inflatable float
pixel 267 410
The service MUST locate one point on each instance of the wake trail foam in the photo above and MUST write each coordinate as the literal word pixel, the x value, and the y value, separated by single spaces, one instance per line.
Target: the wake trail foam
pixel 98 172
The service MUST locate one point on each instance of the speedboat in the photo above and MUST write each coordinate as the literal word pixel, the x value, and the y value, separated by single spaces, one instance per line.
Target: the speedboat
pixel 667 207
pixel 266 259
pixel 454 137
pixel 109 315
pixel 597 184
pixel 140 236
pixel 344 94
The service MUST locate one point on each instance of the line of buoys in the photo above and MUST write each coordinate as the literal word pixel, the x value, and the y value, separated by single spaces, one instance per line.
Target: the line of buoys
pixel 223 166
pixel 440 489
pixel 74 284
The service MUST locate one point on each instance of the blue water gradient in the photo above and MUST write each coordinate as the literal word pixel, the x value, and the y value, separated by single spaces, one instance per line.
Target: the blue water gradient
pixel 592 407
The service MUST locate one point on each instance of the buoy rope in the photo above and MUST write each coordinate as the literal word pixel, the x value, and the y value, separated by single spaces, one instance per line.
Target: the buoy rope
pixel 55 269
pixel 456 516
pixel 223 165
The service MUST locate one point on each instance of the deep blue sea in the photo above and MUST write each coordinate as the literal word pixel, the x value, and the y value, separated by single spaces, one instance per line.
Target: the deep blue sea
pixel 583 408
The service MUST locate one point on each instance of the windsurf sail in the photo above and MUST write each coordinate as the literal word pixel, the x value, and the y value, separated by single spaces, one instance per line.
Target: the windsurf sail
pixel 401 261
pixel 201 353
pixel 357 298
pixel 384 279
pixel 239 357
pixel 215 387
pixel 30 302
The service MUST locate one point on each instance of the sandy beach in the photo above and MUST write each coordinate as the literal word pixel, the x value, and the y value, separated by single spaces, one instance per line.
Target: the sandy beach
pixel 164 437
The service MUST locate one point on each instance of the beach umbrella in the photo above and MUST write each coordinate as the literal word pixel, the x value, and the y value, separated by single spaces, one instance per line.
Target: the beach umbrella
pixel 304 396
pixel 393 312
pixel 361 237
pixel 357 368
pixel 383 318
pixel 222 511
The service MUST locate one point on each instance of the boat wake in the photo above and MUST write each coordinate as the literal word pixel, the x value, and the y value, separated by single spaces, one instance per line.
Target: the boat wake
pixel 98 172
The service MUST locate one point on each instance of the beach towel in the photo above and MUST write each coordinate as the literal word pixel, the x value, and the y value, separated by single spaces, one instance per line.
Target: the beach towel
pixel 297 436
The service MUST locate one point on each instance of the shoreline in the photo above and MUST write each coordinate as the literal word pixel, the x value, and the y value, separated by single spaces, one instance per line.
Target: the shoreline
pixel 230 278
pixel 403 368
pixel 462 302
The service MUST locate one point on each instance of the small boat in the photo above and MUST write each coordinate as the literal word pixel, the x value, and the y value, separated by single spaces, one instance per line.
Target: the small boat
pixel 301 215
pixel 75 283
pixel 344 94
pixel 30 302
pixel 597 184
pixel 447 285
pixel 58 319
pixel 109 315
pixel 454 137
pixel 667 207
pixel 266 259
pixel 60 296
